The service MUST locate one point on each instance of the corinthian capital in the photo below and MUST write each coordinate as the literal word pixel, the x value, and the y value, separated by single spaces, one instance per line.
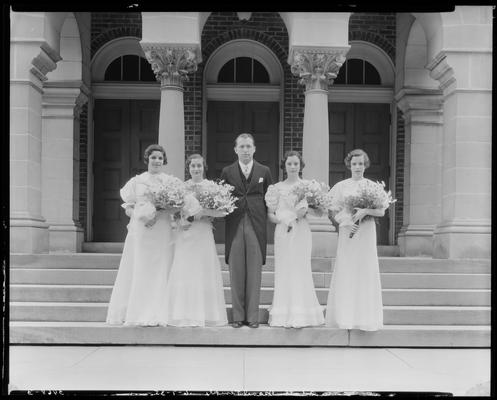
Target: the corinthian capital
pixel 172 64
pixel 317 67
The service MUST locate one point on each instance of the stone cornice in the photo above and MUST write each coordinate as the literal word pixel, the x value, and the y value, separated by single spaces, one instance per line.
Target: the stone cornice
pixel 172 63
pixel 316 67
pixel 64 101
pixel 416 99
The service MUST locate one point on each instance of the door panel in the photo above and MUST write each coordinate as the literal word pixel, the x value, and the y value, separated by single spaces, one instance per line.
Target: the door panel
pixel 225 121
pixel 364 126
pixel 123 129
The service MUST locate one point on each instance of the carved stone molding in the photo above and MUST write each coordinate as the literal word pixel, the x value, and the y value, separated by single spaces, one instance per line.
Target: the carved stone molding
pixel 64 99
pixel 317 67
pixel 45 62
pixel 172 64
pixel 419 105
pixel 441 71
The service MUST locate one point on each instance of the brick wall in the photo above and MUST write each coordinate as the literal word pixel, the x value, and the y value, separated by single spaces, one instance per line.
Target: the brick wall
pixel 269 29
pixel 106 26
pixel 376 28
pixel 399 173
pixel 83 166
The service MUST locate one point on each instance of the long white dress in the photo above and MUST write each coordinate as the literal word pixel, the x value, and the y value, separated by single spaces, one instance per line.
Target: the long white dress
pixel 194 294
pixel 145 261
pixel 354 298
pixel 295 303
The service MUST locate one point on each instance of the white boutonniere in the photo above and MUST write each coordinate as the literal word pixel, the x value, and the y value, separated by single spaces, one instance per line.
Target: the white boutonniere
pixel 261 180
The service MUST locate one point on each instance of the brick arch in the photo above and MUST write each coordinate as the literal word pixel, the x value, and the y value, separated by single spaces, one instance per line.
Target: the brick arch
pixel 368 36
pixel 114 33
pixel 244 33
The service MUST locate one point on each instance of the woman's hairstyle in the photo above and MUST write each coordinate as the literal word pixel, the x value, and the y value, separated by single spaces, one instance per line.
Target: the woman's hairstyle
pixel 244 136
pixel 355 153
pixel 189 160
pixel 150 149
pixel 291 153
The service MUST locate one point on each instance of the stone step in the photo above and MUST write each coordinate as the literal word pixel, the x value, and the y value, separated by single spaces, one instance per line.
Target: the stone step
pixel 117 247
pixel 99 333
pixel 393 315
pixel 389 280
pixel 102 293
pixel 387 264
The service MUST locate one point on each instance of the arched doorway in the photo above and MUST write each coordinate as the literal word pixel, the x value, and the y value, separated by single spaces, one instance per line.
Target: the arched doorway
pixel 126 114
pixel 242 86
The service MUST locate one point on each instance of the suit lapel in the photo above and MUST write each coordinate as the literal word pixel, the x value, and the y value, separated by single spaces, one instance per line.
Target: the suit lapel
pixel 256 171
pixel 235 173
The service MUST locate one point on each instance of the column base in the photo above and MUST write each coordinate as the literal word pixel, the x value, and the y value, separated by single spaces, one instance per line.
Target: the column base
pixel 324 237
pixel 416 240
pixel 66 238
pixel 28 235
pixel 462 239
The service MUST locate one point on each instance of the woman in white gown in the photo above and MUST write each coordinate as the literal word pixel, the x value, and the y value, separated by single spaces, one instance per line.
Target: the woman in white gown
pixel 295 303
pixel 148 249
pixel 194 294
pixel 354 298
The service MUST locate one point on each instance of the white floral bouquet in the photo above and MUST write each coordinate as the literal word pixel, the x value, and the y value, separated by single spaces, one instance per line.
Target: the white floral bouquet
pixel 168 194
pixel 215 198
pixel 370 195
pixel 314 195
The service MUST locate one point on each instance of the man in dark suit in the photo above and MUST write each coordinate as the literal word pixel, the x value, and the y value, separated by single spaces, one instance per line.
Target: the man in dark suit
pixel 245 247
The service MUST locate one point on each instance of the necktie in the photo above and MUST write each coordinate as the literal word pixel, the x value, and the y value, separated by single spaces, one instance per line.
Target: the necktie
pixel 246 172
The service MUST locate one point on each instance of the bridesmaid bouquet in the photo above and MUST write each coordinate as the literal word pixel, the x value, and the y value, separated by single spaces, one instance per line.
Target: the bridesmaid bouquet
pixel 167 193
pixel 314 195
pixel 215 198
pixel 369 195
pixel 309 194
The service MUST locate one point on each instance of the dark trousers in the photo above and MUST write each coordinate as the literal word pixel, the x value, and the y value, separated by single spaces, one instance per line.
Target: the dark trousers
pixel 245 263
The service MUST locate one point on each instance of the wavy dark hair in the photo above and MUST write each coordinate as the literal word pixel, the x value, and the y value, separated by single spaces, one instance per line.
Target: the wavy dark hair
pixel 356 153
pixel 189 160
pixel 291 153
pixel 150 149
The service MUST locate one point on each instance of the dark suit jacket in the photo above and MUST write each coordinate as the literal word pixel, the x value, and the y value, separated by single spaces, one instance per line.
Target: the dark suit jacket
pixel 250 201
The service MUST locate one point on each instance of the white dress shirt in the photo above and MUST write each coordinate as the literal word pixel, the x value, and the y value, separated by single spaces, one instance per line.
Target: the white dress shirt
pixel 246 168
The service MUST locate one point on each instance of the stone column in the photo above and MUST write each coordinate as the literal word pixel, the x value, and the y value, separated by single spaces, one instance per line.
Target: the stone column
pixel 465 227
pixel 317 68
pixel 30 61
pixel 422 109
pixel 171 65
pixel 62 102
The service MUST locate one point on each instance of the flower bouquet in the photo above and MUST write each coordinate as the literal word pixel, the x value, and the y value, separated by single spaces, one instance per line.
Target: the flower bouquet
pixel 370 195
pixel 310 195
pixel 167 194
pixel 215 198
pixel 313 195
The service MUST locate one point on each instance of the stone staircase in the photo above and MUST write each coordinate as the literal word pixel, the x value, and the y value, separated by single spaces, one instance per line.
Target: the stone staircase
pixel 63 298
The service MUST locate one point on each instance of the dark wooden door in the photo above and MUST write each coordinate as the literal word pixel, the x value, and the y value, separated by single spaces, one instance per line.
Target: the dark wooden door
pixel 225 121
pixel 123 129
pixel 364 126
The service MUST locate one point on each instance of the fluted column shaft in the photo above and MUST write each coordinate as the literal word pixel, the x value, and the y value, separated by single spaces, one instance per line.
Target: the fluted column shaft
pixel 171 65
pixel 317 68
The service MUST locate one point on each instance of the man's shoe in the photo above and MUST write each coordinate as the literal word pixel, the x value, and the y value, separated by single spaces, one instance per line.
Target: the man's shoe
pixel 237 324
pixel 253 324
